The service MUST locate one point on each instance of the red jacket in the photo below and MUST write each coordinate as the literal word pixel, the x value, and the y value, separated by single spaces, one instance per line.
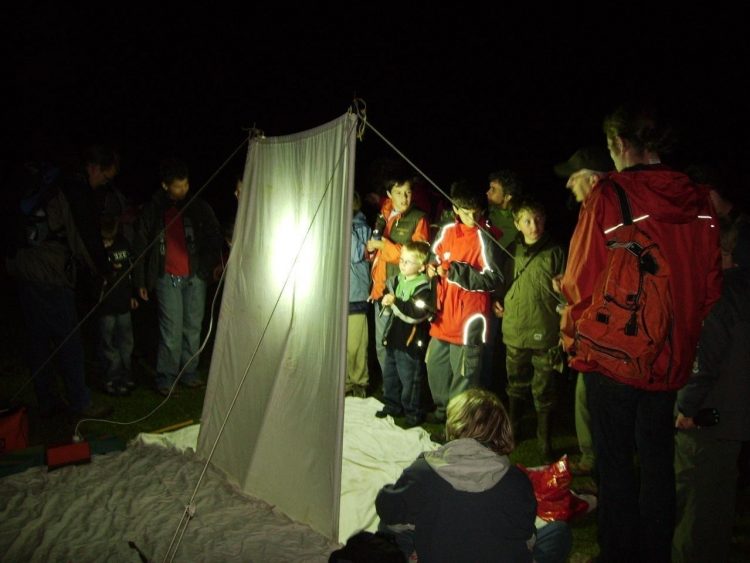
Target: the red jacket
pixel 680 220
pixel 472 263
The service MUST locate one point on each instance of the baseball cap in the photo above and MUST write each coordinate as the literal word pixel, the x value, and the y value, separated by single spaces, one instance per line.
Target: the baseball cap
pixel 591 158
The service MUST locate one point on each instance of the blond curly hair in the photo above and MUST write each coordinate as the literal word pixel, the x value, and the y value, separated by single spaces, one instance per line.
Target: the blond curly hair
pixel 480 415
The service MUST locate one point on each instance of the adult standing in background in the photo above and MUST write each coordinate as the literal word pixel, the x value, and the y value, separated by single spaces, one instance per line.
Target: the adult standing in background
pixel 63 245
pixel 635 515
pixel 505 188
pixel 583 171
pixel 178 265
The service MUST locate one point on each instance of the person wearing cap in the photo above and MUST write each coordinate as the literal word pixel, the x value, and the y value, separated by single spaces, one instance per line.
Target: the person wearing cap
pixel 583 170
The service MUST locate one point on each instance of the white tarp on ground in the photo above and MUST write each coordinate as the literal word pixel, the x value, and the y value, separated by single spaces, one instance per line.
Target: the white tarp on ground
pixel 376 451
pixel 283 440
pixel 90 512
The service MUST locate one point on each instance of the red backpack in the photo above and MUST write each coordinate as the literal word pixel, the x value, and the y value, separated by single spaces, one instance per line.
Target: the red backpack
pixel 629 320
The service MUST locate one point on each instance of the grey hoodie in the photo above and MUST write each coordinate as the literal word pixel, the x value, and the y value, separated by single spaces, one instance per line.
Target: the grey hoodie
pixel 467 465
pixel 465 503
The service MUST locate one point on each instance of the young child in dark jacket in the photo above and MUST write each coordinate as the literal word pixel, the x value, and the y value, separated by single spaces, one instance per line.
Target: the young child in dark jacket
pixel 408 304
pixel 115 346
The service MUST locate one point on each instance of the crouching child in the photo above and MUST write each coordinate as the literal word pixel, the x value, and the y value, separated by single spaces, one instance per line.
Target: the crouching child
pixel 408 306
pixel 466 501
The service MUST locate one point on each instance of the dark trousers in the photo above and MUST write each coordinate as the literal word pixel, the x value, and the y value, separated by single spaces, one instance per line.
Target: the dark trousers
pixel 402 383
pixel 50 313
pixel 534 369
pixel 635 520
pixel 451 370
pixel 706 473
pixel 491 374
pixel 552 545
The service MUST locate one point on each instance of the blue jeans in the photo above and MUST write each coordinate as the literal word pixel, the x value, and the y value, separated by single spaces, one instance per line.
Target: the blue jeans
pixel 635 523
pixel 115 347
pixel 553 543
pixel 402 383
pixel 181 306
pixel 50 313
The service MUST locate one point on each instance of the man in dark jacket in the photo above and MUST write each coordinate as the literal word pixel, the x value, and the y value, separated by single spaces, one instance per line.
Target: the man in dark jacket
pixel 183 243
pixel 67 241
pixel 706 455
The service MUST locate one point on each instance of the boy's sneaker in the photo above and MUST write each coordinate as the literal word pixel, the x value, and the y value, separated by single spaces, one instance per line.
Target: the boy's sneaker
pixel 129 384
pixel 116 389
pixel 194 382
pixel 164 391
pixel 412 421
pixel 433 418
pixel 387 412
pixel 358 391
pixel 164 383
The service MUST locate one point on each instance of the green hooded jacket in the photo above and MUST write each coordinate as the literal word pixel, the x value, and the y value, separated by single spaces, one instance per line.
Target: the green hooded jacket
pixel 531 319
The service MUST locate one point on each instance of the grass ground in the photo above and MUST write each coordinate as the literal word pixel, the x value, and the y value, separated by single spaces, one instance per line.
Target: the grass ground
pixel 187 406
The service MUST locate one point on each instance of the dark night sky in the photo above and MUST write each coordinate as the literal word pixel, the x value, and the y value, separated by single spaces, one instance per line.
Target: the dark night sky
pixel 459 92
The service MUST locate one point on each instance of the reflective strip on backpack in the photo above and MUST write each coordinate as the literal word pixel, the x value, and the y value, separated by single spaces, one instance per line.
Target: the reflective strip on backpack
pixel 641 218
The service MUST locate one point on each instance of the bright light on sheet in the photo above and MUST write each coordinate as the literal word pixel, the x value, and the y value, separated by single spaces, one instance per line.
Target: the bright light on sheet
pixel 288 241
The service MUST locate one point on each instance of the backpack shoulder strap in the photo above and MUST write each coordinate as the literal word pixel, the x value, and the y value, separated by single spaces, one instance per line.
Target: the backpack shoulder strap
pixel 627 216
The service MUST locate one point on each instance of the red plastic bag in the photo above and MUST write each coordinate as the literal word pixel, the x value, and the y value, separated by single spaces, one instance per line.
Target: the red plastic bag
pixel 14 429
pixel 551 483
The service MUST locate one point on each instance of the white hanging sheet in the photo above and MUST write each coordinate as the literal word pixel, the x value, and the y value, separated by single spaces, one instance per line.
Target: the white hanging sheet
pixel 282 442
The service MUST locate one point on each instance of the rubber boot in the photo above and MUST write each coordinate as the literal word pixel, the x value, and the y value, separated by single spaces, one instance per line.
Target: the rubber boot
pixel 543 436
